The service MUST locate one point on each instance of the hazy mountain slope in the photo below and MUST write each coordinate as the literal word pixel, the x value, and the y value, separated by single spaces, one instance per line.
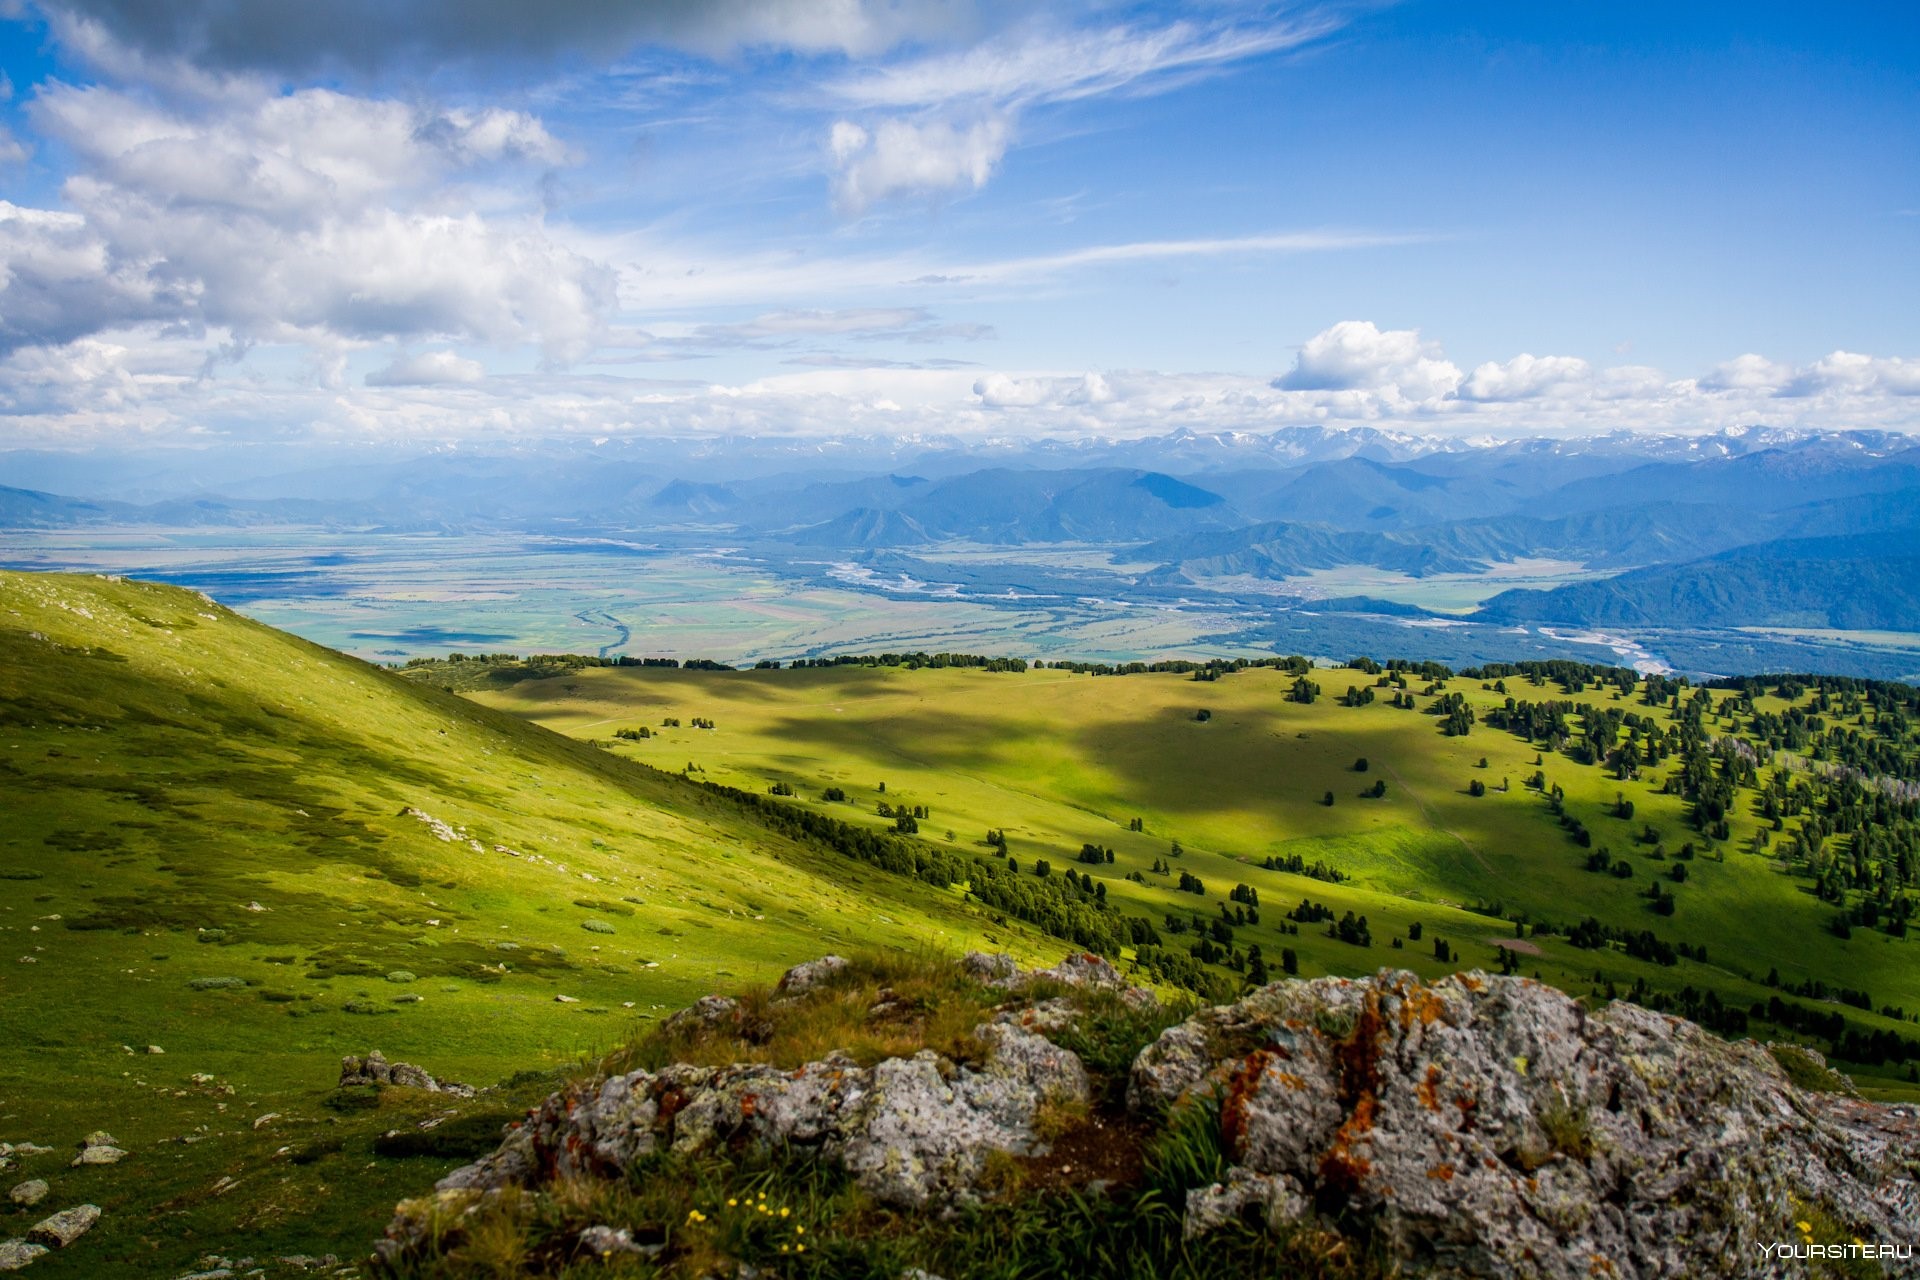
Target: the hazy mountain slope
pixel 1863 582
pixel 1360 493
pixel 1280 550
pixel 1771 480
pixel 1107 505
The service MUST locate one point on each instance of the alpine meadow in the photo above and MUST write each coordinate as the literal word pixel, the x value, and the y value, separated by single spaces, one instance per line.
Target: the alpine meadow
pixel 937 639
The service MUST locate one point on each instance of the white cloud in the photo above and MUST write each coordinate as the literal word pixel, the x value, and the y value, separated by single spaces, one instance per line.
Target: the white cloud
pixel 428 369
pixel 965 102
pixel 1850 373
pixel 1356 355
pixel 312 217
pixel 899 158
pixel 1746 373
pixel 1522 378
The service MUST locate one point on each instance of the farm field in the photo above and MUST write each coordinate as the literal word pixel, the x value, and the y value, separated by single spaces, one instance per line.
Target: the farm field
pixel 1056 760
pixel 394 596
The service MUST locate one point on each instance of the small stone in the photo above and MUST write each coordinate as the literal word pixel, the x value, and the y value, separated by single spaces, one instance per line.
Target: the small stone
pixel 30 1192
pixel 63 1228
pixel 266 1119
pixel 566 1000
pixel 15 1254
pixel 99 1138
pixel 601 1241
pixel 155 1049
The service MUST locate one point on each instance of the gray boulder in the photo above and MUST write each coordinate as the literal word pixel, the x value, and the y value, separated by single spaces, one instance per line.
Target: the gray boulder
pixel 374 1069
pixel 63 1228
pixel 29 1193
pixel 15 1254
pixel 804 977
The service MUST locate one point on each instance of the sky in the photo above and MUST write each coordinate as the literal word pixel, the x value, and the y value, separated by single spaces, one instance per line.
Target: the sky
pixel 476 221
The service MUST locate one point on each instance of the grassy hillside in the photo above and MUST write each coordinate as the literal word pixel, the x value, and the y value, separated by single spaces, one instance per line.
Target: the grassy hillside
pixel 1056 759
pixel 260 855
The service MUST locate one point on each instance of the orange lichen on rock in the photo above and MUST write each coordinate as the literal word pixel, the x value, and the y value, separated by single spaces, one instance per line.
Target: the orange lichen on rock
pixel 1428 1090
pixel 1240 1089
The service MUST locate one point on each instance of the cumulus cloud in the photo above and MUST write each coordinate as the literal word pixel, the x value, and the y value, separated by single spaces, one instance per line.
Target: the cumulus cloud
pixel 1522 378
pixel 1746 373
pixel 305 217
pixel 1357 355
pixel 1849 372
pixel 901 158
pixel 427 369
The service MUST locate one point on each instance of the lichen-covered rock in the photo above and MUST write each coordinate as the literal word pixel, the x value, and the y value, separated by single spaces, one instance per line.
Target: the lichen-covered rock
pixel 29 1193
pixel 1493 1127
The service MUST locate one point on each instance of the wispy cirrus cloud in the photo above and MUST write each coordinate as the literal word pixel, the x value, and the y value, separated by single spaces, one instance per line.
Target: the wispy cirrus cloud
pixel 956 111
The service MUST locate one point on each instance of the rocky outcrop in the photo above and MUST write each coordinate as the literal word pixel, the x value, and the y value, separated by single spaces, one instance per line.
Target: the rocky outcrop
pixel 1485 1126
pixel 374 1069
pixel 912 1131
pixel 1471 1127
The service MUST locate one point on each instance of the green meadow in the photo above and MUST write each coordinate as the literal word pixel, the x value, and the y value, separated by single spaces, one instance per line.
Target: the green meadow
pixel 216 841
pixel 258 855
pixel 1057 759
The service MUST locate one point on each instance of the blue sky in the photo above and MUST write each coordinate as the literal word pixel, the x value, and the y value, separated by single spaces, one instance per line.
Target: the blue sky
pixel 365 221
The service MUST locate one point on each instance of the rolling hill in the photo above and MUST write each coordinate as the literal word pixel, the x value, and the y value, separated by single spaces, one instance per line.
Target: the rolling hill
pixel 260 855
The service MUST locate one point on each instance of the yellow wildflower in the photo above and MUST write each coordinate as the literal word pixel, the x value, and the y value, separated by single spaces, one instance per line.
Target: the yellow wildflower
pixel 785 1212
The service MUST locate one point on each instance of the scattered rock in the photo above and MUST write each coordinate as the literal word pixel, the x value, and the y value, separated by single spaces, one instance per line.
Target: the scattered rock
pixel 267 1119
pixel 997 970
pixel 155 1049
pixel 15 1254
pixel 804 977
pixel 29 1193
pixel 566 999
pixel 63 1228
pixel 98 1155
pixel 374 1069
pixel 707 1011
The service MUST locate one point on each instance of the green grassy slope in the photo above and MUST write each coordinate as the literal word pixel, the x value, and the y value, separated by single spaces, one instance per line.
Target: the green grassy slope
pixel 1057 760
pixel 186 795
